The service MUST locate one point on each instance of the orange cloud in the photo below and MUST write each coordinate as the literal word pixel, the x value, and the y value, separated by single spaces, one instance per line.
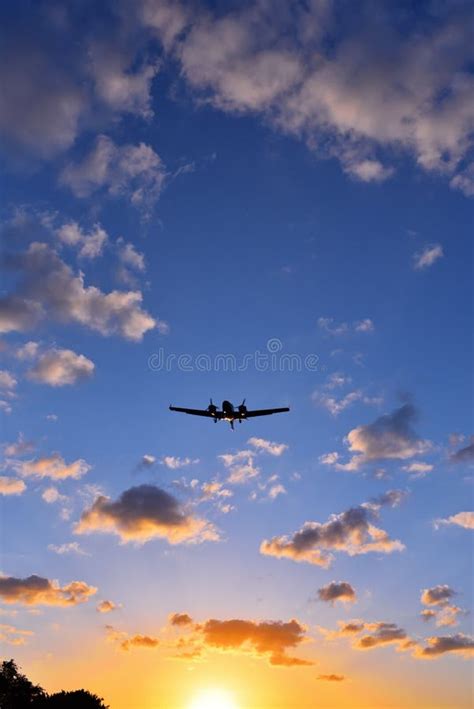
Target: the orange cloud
pixel 36 590
pixel 53 467
pixel 332 678
pixel 13 636
pixel 142 513
pixel 106 606
pixel 180 619
pixel 268 639
pixel 126 641
pixel 11 486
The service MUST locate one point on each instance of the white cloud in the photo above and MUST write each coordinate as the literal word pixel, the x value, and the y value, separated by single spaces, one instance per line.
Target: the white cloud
pixel 61 367
pixel 90 244
pixel 130 257
pixel 67 548
pixel 333 405
pixel 241 466
pixel 135 172
pixel 461 519
pixel 276 490
pixel 365 325
pixel 19 448
pixel 261 444
pixel 48 286
pixel 175 462
pixel 27 351
pixel 418 468
pixel 427 257
pixel 116 85
pixel 7 381
pixel 330 326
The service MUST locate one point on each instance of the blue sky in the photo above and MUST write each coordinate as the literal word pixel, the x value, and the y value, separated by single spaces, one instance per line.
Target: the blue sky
pixel 204 181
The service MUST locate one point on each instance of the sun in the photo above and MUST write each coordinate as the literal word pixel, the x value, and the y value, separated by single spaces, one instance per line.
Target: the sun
pixel 213 699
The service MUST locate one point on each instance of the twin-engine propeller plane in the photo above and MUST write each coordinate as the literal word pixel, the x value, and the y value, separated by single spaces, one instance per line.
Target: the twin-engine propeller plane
pixel 229 412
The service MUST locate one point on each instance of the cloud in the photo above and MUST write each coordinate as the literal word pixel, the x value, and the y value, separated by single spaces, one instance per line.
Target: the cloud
pixel 381 633
pixel 463 455
pixel 58 79
pixel 351 532
pixel 58 367
pixel 146 461
pixel 143 513
pixel 19 448
pixel 418 468
pixel 48 286
pixel 180 620
pixel 90 245
pixel 333 405
pixel 130 257
pixel 117 84
pixel 106 606
pixel 461 519
pixel 265 639
pixel 42 103
pixel 241 466
pixel 337 591
pixel 276 490
pixel 336 380
pixel 175 462
pixel 438 598
pixel 427 257
pixel 68 548
pixel 11 486
pixel 437 595
pixel 52 495
pixel 331 678
pixel 13 636
pixel 215 489
pixel 368 635
pixel 348 87
pixel 459 644
pixel 332 328
pixel 365 325
pixel 270 447
pixel 464 181
pixel 53 466
pixel 134 172
pixel 126 641
pixel 390 437
pixel 36 590
pixel 7 381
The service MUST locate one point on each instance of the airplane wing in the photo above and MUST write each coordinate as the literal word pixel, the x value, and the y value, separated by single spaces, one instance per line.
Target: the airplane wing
pixel 265 412
pixel 197 412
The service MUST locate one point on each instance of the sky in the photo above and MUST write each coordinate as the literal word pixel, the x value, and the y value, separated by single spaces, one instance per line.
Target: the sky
pixel 238 200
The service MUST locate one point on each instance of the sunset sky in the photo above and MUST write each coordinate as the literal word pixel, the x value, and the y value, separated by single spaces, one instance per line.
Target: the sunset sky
pixel 260 200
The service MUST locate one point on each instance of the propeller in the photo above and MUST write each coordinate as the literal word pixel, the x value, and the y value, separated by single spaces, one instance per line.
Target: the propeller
pixel 212 408
pixel 242 408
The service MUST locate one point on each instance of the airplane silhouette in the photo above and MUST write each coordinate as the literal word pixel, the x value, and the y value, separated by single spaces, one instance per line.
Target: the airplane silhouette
pixel 229 412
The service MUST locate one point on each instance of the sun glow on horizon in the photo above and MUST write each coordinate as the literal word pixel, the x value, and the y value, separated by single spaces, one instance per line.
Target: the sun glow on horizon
pixel 213 699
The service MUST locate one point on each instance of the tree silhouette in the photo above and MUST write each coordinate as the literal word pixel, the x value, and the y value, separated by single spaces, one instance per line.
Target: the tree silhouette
pixel 16 691
pixel 79 699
